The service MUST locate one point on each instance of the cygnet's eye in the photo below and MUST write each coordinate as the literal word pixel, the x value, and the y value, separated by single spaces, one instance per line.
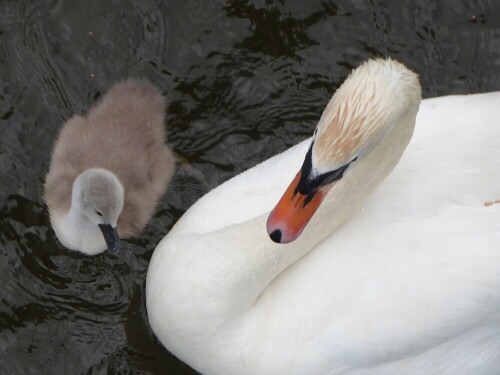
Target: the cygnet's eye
pixel 98 213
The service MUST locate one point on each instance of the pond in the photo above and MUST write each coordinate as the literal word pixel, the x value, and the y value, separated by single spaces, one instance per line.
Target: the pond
pixel 244 80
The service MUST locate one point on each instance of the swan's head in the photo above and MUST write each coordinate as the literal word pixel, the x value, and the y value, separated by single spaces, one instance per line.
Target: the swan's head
pixel 377 97
pixel 99 195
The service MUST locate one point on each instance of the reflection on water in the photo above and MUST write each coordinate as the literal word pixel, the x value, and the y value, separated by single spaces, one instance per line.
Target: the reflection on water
pixel 244 80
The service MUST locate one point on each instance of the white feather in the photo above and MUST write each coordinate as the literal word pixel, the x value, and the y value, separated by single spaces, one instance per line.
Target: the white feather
pixel 409 285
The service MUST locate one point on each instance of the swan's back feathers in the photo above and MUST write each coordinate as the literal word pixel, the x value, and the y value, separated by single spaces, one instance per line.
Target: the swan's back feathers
pixel 125 134
pixel 245 196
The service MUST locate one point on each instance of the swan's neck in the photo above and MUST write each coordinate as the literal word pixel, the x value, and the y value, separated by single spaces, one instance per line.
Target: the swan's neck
pixel 77 232
pixel 251 261
pixel 211 281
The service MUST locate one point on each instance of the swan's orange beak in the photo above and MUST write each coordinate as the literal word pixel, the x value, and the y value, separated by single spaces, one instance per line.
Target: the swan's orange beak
pixel 294 210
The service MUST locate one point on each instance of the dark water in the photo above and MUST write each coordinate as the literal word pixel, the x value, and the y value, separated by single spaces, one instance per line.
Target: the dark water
pixel 244 80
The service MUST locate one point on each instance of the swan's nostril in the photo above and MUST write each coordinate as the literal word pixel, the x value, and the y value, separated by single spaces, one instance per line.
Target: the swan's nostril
pixel 276 236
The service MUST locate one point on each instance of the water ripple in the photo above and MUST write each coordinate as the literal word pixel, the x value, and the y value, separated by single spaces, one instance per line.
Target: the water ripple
pixel 243 79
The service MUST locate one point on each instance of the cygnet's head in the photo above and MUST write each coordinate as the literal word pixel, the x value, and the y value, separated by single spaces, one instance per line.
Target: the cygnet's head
pixel 98 194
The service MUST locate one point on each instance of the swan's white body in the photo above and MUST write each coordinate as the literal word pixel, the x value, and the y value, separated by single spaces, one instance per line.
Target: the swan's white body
pixel 409 285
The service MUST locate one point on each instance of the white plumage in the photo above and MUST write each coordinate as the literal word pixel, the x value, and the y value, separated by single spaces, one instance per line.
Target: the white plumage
pixel 409 285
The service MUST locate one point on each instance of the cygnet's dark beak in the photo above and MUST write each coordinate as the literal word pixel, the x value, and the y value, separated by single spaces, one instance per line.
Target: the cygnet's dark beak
pixel 111 237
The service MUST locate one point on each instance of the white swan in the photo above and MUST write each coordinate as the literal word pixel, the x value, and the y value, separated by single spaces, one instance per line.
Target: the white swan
pixel 109 169
pixel 409 285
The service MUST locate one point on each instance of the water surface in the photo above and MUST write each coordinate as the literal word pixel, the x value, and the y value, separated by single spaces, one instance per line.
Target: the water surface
pixel 244 80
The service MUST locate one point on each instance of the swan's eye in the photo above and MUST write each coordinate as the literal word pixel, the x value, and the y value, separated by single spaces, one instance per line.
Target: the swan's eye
pixel 98 213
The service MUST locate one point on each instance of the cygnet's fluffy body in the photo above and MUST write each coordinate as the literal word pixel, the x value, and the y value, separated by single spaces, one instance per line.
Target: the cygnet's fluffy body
pixel 124 135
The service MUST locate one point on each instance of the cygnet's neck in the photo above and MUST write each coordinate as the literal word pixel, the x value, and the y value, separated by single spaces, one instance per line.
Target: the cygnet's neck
pixel 76 232
pixel 75 229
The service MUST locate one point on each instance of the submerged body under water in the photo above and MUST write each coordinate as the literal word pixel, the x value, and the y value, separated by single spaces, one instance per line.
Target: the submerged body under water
pixel 243 80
